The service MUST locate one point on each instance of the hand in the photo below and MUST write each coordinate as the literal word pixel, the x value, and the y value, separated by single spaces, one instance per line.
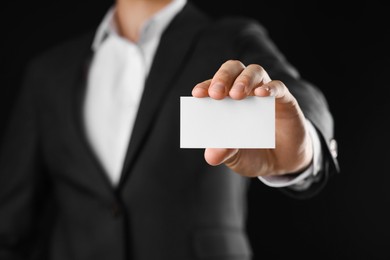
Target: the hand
pixel 293 152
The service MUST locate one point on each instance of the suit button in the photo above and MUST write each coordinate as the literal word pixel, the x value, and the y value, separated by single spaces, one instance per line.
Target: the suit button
pixel 116 210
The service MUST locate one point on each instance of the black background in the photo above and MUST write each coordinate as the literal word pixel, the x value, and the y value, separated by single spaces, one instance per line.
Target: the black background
pixel 343 49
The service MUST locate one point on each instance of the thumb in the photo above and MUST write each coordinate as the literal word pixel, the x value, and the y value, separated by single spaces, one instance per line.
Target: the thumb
pixel 216 156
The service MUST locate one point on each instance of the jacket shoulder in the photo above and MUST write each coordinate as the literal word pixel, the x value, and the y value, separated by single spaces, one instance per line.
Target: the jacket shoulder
pixel 238 24
pixel 61 55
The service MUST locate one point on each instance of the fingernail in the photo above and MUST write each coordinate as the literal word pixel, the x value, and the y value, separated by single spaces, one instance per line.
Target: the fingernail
pixel 238 88
pixel 217 87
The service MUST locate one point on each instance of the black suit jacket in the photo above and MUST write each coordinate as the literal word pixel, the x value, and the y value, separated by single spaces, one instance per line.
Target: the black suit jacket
pixel 55 198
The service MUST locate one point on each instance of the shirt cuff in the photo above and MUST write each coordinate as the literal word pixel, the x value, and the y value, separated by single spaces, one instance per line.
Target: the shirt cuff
pixel 303 180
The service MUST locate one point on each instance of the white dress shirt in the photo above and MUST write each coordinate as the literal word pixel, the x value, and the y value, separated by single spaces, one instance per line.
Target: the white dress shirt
pixel 114 88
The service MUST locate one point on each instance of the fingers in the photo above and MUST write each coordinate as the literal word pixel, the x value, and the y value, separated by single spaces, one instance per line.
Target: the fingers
pixel 224 78
pixel 232 79
pixel 250 78
pixel 216 156
pixel 201 89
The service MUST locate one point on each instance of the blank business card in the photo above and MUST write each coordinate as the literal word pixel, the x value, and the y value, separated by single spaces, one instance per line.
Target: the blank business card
pixel 227 123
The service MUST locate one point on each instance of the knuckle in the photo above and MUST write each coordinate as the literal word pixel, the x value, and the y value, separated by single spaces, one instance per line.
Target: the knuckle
pixel 223 74
pixel 234 63
pixel 245 79
pixel 278 83
pixel 257 68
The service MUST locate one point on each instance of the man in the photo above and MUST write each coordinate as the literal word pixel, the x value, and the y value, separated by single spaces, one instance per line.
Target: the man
pixel 91 166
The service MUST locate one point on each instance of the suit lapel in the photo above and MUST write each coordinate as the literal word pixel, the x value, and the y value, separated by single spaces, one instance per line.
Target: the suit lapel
pixel 175 45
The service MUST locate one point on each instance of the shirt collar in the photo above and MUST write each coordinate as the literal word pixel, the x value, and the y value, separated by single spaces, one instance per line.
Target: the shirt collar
pixel 153 27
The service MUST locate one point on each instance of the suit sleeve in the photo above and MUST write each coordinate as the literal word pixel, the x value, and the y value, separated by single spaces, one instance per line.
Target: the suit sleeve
pixel 21 177
pixel 255 46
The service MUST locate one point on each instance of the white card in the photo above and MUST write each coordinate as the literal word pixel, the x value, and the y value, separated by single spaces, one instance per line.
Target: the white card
pixel 227 123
